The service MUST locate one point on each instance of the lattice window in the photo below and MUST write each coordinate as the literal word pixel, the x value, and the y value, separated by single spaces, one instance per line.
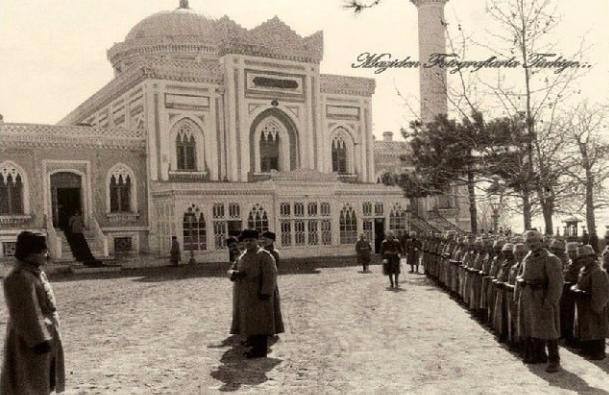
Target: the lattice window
pixel 234 210
pixel 299 233
pixel 339 155
pixel 218 210
pixel 397 219
pixel 378 208
pixel 313 232
pixel 194 230
pixel 368 225
pixel 269 146
pixel 325 209
pixel 120 193
pixel 186 148
pixel 348 225
pixel 312 209
pixel 11 190
pixel 284 209
pixel 367 209
pixel 286 233
pixel 219 234
pixel 299 209
pixel 326 232
pixel 258 219
pixel 8 248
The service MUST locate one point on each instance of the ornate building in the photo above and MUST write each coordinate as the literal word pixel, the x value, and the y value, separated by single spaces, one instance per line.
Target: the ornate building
pixel 206 128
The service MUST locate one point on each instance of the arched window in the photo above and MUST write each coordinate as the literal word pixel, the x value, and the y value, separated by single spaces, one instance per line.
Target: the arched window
pixel 258 219
pixel 339 155
pixel 269 152
pixel 195 235
pixel 348 225
pixel 186 151
pixel 11 190
pixel 121 183
pixel 397 219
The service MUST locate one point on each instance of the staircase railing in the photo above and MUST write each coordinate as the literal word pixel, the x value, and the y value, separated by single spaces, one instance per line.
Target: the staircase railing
pixel 446 224
pixel 54 242
pixel 100 237
pixel 421 226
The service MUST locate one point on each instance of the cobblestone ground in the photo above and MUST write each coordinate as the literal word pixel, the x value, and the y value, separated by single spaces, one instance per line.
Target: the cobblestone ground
pixel 166 332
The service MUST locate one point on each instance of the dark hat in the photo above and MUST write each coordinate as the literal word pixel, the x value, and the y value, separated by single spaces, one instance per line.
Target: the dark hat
pixel 269 235
pixel 231 239
pixel 248 234
pixel 29 243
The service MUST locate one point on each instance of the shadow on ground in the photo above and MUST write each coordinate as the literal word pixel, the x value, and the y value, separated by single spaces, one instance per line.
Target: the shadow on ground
pixel 565 380
pixel 236 371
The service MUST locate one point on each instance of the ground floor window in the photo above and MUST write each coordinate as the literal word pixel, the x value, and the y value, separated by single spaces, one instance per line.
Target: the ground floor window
pixel 305 223
pixel 195 235
pixel 348 225
pixel 8 248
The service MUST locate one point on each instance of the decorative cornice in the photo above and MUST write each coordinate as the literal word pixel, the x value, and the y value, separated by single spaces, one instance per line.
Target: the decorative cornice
pixel 36 135
pixel 340 84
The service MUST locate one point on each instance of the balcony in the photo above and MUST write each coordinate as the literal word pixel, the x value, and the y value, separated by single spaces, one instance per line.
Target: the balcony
pixel 15 219
pixel 188 176
pixel 348 178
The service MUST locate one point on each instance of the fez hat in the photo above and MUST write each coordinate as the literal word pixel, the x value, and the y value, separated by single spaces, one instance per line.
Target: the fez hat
pixel 507 247
pixel 519 247
pixel 558 244
pixel 29 243
pixel 269 235
pixel 585 250
pixel 231 239
pixel 248 234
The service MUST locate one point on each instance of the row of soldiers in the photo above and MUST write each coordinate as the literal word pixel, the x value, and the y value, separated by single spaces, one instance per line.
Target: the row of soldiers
pixel 531 290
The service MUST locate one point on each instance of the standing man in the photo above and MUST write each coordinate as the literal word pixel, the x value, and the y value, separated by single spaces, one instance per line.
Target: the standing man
pixel 268 243
pixel 413 247
pixel 592 295
pixel 542 283
pixel 567 300
pixel 256 275
pixel 390 251
pixel 174 253
pixel 363 250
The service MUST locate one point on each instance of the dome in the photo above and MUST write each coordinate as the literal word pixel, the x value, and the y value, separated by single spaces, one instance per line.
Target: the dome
pixel 180 22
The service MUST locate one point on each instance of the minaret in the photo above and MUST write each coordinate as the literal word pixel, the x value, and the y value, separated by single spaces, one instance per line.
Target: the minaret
pixel 432 39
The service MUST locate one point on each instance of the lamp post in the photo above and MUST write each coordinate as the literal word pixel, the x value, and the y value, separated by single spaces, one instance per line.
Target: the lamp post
pixel 495 200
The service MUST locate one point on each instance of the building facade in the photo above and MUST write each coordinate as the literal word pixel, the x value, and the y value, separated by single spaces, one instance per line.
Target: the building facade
pixel 206 128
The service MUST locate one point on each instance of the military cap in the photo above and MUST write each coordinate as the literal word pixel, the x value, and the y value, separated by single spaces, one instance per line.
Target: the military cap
pixel 507 247
pixel 585 250
pixel 231 239
pixel 519 247
pixel 572 246
pixel 558 244
pixel 248 234
pixel 269 235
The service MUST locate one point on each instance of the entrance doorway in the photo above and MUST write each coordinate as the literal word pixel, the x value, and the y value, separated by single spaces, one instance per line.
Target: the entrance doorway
pixel 66 193
pixel 379 233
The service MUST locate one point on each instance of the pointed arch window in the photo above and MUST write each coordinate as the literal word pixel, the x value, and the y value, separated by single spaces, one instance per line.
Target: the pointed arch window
pixel 269 147
pixel 11 192
pixel 397 219
pixel 258 219
pixel 348 225
pixel 121 190
pixel 194 230
pixel 339 155
pixel 186 151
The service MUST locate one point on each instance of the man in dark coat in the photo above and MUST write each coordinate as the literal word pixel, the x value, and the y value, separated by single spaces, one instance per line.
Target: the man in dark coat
pixel 390 251
pixel 542 283
pixel 363 249
pixel 256 277
pixel 33 351
pixel 413 247
pixel 592 295
pixel 268 243
pixel 567 300
pixel 175 251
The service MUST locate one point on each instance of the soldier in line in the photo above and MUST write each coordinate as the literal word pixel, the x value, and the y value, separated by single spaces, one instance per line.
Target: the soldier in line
pixel 567 300
pixel 363 249
pixel 492 268
pixel 542 283
pixel 500 310
pixel 592 295
pixel 557 247
pixel 391 251
pixel 605 253
pixel 519 252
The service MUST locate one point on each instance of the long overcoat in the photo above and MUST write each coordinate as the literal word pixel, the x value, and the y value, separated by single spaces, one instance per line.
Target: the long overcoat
pixel 279 328
pixel 32 320
pixel 540 296
pixel 592 317
pixel 258 277
pixel 363 250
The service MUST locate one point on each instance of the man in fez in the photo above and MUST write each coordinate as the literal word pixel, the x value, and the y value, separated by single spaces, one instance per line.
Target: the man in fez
pixel 542 283
pixel 256 278
pixel 268 243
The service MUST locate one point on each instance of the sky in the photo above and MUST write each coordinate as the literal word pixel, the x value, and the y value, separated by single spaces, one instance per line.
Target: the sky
pixel 53 52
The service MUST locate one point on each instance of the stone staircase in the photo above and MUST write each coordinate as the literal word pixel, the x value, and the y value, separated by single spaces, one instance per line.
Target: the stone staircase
pixel 66 251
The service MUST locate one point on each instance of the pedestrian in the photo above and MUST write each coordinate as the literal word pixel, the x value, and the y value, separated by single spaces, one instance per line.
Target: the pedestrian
pixel 33 351
pixel 268 243
pixel 76 239
pixel 592 295
pixel 233 255
pixel 175 256
pixel 256 277
pixel 567 300
pixel 605 253
pixel 363 249
pixel 390 251
pixel 413 248
pixel 542 284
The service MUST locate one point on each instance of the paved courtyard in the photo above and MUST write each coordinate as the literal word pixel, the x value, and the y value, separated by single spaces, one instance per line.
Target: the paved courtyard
pixel 166 332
